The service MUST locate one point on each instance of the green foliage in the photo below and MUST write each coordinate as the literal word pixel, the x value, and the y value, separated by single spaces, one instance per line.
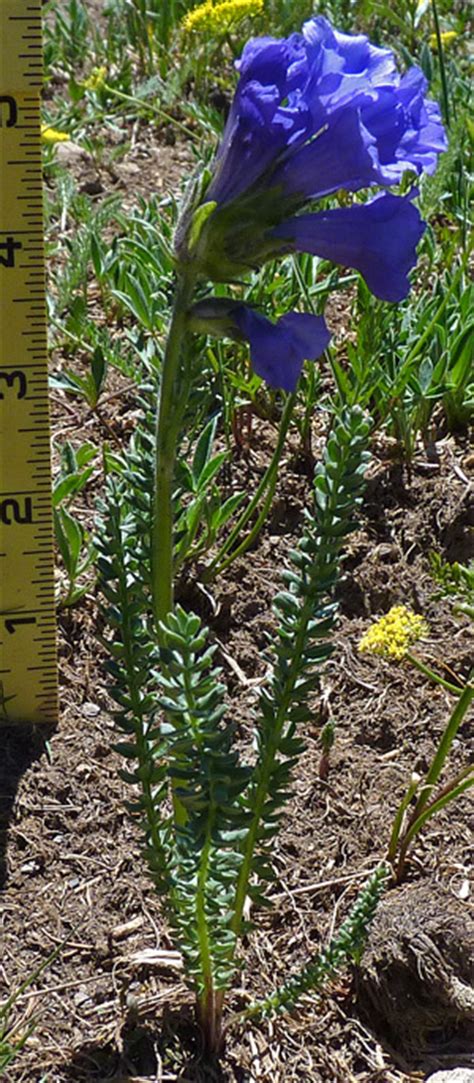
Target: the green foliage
pixel 409 822
pixel 149 24
pixel 455 581
pixel 411 359
pixel 77 553
pixel 208 781
pixel 200 511
pixel 346 945
pixel 11 1041
pixel 203 509
pixel 122 563
pixel 73 541
pixel 216 848
pixel 410 365
pixel 88 387
pixel 75 248
pixel 14 1033
pixel 67 33
pixel 306 612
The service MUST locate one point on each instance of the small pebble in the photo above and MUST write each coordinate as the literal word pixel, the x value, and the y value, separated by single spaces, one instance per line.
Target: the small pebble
pixel 457 1075
pixel 90 709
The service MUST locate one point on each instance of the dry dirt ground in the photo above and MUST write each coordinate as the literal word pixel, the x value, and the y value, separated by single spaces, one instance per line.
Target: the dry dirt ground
pixel 113 1004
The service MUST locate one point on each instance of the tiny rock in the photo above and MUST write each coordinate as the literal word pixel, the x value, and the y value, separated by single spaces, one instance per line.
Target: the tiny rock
pixel 69 153
pixel 456 1075
pixel 90 709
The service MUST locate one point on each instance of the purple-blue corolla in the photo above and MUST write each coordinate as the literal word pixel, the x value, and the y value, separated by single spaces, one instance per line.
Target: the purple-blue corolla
pixel 313 113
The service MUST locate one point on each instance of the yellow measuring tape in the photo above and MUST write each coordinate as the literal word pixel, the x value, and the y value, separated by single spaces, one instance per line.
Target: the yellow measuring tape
pixel 28 670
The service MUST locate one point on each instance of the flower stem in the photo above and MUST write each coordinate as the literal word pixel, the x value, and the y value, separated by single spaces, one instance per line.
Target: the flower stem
pixel 442 67
pixel 433 676
pixel 207 1008
pixel 150 109
pixel 268 481
pixel 455 788
pixel 167 432
pixel 462 706
pixel 399 818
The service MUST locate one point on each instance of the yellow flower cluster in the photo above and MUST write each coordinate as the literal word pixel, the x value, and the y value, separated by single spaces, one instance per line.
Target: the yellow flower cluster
pixel 96 79
pixel 210 18
pixel 392 635
pixel 447 37
pixel 51 135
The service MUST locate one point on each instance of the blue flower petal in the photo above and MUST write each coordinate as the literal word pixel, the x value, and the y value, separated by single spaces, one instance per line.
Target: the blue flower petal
pixel 277 350
pixel 346 69
pixel 280 62
pixel 406 128
pixel 267 115
pixel 378 239
pixel 342 155
pixel 322 110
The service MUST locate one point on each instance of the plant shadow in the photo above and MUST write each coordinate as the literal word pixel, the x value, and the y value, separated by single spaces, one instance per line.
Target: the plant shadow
pixel 21 744
pixel 144 1052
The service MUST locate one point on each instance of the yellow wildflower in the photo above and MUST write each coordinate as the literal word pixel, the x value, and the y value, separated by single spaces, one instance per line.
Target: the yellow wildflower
pixel 392 635
pixel 210 18
pixel 96 79
pixel 50 135
pixel 447 36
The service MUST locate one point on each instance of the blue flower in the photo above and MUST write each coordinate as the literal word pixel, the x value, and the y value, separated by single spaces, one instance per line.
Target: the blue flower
pixel 378 239
pixel 277 350
pixel 314 113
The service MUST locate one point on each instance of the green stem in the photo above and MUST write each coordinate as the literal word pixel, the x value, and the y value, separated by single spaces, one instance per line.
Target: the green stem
pixel 265 768
pixel 456 689
pixel 143 754
pixel 260 795
pixel 207 1000
pixel 167 433
pixel 399 817
pixel 453 789
pixel 464 607
pixel 442 68
pixel 404 372
pixel 269 480
pixel 150 109
pixel 462 706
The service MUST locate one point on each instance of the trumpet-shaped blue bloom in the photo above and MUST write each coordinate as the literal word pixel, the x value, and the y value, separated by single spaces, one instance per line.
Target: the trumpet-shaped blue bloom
pixel 277 350
pixel 314 113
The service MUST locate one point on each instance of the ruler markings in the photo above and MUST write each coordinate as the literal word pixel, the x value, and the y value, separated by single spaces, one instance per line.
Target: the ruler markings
pixel 23 328
pixel 27 633
pixel 24 365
